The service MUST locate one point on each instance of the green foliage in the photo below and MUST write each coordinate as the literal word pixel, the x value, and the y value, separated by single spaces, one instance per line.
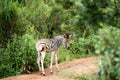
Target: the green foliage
pixel 82 46
pixel 73 75
pixel 22 22
pixel 107 46
pixel 8 20
pixel 64 55
pixel 100 11
pixel 19 56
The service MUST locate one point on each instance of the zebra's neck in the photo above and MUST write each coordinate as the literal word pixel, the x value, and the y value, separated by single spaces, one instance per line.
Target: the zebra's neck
pixel 58 40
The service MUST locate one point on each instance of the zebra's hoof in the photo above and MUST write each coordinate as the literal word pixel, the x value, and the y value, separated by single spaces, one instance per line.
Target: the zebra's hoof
pixel 51 72
pixel 44 75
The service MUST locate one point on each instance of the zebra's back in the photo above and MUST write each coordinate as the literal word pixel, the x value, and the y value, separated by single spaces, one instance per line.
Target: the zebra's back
pixel 46 44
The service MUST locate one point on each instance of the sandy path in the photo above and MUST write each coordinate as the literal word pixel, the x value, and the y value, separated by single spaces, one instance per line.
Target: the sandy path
pixel 83 66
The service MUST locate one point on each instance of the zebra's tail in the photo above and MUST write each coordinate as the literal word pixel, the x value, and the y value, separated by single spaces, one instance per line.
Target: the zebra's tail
pixel 40 47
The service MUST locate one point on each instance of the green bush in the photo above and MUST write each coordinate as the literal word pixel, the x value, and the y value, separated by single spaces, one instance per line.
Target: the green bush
pixel 8 20
pixel 82 46
pixel 79 48
pixel 19 56
pixel 107 45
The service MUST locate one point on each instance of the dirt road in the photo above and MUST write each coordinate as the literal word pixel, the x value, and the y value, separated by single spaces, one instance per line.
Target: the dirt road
pixel 83 66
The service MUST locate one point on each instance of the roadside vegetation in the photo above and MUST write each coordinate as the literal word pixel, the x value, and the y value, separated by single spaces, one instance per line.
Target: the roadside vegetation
pixel 94 25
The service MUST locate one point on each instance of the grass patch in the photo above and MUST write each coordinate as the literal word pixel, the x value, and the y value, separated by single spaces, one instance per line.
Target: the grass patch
pixel 75 76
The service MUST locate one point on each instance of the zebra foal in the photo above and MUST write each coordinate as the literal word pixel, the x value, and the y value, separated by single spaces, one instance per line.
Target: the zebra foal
pixel 50 45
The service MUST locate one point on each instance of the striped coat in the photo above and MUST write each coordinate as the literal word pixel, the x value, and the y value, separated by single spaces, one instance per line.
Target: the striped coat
pixel 50 45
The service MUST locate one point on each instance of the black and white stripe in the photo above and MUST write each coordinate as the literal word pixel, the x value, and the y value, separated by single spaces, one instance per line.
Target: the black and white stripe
pixel 50 45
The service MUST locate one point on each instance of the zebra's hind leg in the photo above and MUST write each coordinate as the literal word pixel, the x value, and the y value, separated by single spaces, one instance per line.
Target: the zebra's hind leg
pixel 42 62
pixel 39 61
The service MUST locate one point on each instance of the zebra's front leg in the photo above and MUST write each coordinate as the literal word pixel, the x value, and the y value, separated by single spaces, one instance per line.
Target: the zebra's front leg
pixel 42 62
pixel 56 60
pixel 51 61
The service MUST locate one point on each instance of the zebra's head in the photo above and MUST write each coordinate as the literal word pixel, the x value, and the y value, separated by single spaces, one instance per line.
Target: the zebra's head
pixel 66 40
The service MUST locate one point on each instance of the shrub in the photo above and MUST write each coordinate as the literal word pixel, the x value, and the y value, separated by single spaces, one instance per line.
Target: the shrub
pixel 19 56
pixel 8 20
pixel 107 45
pixel 79 47
pixel 82 46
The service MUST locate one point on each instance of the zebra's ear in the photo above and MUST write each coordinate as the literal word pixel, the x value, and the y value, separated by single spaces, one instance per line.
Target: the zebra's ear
pixel 65 35
pixel 70 35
